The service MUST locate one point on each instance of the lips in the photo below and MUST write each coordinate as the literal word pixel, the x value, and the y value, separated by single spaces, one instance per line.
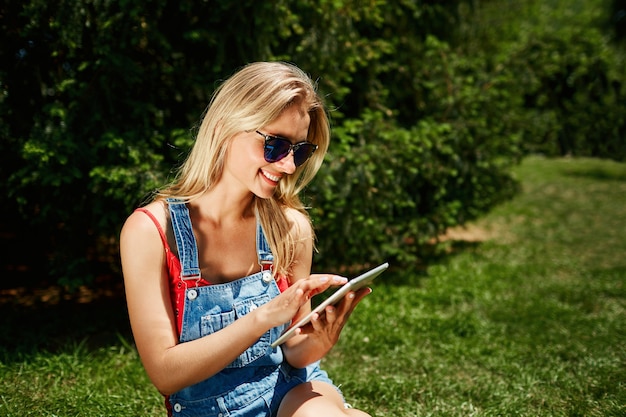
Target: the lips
pixel 273 178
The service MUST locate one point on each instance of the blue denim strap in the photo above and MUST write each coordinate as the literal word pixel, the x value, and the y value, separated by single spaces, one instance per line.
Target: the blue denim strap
pixel 185 240
pixel 264 253
pixel 188 249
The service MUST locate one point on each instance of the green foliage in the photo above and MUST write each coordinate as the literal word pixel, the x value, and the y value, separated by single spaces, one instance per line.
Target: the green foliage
pixel 574 92
pixel 430 106
pixel 386 191
pixel 617 19
pixel 568 74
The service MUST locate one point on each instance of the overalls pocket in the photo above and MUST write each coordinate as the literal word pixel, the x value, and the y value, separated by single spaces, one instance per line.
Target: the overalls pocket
pixel 214 322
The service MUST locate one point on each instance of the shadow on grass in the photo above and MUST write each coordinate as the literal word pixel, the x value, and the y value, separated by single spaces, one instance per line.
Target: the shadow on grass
pixel 46 318
pixel 435 253
pixel 606 172
pixel 38 316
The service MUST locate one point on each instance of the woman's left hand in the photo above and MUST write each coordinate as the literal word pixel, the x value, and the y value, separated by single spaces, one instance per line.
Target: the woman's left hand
pixel 327 325
pixel 323 331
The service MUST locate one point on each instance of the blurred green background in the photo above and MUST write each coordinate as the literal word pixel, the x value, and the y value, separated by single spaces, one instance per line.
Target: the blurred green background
pixel 432 103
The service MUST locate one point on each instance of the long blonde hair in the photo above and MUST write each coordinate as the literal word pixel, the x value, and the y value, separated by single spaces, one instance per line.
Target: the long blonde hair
pixel 249 100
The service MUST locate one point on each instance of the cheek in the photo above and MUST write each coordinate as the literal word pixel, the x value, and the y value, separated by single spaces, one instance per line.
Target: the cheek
pixel 245 155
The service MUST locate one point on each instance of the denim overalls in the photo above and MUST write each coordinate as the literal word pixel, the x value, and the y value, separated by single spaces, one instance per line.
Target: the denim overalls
pixel 256 382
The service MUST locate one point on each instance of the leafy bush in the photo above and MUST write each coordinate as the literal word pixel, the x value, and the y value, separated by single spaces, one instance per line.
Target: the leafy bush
pixel 574 91
pixel 387 191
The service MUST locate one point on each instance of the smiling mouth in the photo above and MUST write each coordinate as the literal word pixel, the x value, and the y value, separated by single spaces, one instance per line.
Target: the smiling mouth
pixel 270 177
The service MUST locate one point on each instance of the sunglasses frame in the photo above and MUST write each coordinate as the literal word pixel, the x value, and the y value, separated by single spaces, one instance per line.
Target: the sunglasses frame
pixel 293 147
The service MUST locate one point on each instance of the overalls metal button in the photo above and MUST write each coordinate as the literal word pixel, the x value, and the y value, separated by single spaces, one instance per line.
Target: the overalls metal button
pixel 267 277
pixel 178 408
pixel 192 294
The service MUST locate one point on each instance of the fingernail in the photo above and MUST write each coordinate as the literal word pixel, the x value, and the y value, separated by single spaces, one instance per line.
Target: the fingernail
pixel 323 279
pixel 351 295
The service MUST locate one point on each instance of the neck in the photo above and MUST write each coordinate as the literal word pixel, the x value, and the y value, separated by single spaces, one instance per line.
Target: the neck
pixel 223 207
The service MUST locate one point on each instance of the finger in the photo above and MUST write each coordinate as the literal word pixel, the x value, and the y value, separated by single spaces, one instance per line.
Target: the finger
pixel 361 294
pixel 355 297
pixel 350 301
pixel 344 306
pixel 306 329
pixel 316 322
pixel 331 314
pixel 318 283
pixel 295 299
pixel 299 296
pixel 335 279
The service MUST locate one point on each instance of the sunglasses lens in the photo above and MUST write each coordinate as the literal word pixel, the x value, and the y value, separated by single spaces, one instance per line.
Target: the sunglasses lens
pixel 276 149
pixel 303 153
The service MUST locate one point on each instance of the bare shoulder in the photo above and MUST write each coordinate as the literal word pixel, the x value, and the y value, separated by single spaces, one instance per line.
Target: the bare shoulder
pixel 140 236
pixel 139 223
pixel 142 252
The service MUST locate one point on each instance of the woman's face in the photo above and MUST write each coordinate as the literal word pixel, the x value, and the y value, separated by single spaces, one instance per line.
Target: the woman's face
pixel 245 165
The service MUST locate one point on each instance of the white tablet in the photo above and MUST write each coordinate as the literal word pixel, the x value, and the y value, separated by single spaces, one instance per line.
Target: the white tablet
pixel 354 284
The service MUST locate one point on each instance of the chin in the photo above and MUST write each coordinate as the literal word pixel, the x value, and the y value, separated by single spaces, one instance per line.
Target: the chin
pixel 264 194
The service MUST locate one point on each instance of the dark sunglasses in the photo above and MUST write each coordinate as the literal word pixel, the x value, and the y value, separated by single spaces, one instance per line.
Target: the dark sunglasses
pixel 276 148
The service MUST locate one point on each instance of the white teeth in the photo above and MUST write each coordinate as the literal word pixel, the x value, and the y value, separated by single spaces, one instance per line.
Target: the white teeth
pixel 271 177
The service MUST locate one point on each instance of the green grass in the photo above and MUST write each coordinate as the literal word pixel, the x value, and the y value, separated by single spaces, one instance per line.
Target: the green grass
pixel 528 322
pixel 79 382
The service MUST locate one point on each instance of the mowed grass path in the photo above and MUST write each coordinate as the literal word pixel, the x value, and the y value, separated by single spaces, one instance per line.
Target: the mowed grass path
pixel 524 316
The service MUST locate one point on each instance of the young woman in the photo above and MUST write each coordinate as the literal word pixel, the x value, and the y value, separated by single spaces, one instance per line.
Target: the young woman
pixel 218 265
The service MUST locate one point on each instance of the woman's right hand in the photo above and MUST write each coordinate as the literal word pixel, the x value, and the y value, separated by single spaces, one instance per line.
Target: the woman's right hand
pixel 290 303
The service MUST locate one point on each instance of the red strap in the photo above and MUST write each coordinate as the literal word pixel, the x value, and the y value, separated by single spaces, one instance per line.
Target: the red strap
pixel 158 226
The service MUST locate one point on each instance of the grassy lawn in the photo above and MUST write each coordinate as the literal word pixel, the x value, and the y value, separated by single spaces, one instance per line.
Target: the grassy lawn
pixel 522 315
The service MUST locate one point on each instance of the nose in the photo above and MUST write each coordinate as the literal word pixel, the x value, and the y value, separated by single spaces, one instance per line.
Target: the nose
pixel 287 164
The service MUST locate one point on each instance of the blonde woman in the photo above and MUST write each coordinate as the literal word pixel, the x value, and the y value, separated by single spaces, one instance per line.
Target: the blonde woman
pixel 218 265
